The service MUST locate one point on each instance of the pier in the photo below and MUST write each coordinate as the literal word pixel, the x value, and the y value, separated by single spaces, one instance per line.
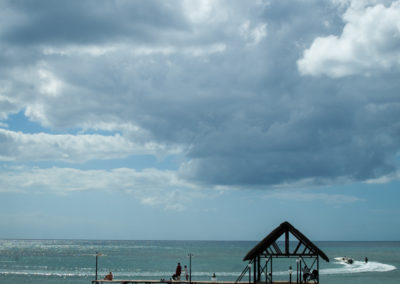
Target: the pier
pixel 122 281
pixel 301 251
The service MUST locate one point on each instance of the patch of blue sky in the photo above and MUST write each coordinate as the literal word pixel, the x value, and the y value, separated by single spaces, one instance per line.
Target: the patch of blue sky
pixel 19 122
pixel 91 131
pixel 372 193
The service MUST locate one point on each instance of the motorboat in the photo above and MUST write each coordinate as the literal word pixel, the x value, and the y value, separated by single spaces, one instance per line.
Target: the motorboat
pixel 345 259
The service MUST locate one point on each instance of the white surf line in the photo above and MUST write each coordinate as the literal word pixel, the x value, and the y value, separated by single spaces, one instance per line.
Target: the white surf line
pixel 358 267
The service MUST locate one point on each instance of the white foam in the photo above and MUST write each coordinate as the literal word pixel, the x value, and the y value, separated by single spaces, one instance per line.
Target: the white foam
pixel 357 267
pixel 84 273
pixel 343 268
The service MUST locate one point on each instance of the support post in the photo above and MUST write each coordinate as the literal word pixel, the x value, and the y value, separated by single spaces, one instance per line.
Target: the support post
pixel 190 267
pixel 271 269
pixel 254 270
pixel 97 261
pixel 301 278
pixel 249 273
pixel 318 269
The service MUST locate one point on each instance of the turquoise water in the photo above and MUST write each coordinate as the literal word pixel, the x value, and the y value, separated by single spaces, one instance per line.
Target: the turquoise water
pixel 73 261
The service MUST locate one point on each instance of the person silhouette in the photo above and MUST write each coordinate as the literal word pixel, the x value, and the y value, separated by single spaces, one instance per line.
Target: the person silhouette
pixel 177 275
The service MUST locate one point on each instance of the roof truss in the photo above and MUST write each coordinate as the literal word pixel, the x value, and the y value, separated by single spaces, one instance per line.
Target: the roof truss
pixel 295 244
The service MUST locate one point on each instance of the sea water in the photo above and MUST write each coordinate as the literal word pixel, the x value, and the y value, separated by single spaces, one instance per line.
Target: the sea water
pixel 74 261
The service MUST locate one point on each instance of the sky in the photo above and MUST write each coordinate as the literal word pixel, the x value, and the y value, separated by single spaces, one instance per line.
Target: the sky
pixel 199 119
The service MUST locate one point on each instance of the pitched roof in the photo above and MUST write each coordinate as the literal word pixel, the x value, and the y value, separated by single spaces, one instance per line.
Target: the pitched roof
pixel 283 228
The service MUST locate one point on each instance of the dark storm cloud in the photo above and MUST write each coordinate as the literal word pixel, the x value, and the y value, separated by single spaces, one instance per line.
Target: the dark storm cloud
pixel 320 132
pixel 229 91
pixel 67 22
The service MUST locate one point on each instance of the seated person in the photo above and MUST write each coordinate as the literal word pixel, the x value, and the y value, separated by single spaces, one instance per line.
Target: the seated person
pixel 109 276
pixel 306 273
pixel 314 274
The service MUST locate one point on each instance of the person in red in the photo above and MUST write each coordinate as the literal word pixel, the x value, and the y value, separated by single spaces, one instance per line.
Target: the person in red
pixel 177 275
pixel 109 276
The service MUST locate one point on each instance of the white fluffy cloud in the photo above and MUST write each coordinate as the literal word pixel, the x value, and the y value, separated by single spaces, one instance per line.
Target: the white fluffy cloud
pixel 152 187
pixel 18 146
pixel 369 43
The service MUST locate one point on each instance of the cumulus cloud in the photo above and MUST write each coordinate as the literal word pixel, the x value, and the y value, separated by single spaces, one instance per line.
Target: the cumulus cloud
pixel 216 83
pixel 368 43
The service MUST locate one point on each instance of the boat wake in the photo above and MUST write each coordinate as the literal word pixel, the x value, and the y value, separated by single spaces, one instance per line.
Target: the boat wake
pixel 357 267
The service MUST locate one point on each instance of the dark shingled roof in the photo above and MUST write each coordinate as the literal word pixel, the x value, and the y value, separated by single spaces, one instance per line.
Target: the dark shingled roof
pixel 276 234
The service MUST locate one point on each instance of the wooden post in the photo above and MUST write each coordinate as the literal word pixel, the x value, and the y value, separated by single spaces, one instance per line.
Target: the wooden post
pixel 287 242
pixel 271 270
pixel 97 256
pixel 249 273
pixel 190 267
pixel 301 278
pixel 254 272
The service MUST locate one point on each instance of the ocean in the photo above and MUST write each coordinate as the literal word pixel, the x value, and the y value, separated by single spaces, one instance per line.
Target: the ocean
pixel 74 261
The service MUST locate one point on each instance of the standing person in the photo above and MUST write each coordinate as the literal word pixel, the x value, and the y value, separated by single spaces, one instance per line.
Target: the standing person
pixel 186 273
pixel 177 275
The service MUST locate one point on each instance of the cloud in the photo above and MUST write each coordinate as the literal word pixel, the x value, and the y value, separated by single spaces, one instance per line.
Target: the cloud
pixel 18 146
pixel 219 86
pixel 201 11
pixel 368 43
pixel 384 179
pixel 302 196
pixel 89 21
pixel 255 35
pixel 150 186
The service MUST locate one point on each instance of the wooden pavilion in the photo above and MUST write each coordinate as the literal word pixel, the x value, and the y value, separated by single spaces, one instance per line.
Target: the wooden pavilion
pixel 294 245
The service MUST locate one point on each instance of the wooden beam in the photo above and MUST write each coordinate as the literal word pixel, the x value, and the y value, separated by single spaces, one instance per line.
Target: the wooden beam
pixel 297 248
pixel 276 247
pixel 305 248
